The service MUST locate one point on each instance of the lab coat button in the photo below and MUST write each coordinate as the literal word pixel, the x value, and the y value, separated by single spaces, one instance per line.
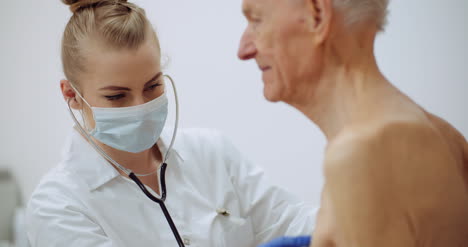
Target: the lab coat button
pixel 223 212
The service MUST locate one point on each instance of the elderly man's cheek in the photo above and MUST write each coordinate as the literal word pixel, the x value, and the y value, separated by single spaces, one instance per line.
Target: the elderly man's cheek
pixel 265 39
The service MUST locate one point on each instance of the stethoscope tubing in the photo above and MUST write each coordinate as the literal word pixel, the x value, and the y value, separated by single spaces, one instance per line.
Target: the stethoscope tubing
pixel 160 201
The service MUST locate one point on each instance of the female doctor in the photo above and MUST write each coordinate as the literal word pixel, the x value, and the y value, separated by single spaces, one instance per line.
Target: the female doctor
pixel 123 181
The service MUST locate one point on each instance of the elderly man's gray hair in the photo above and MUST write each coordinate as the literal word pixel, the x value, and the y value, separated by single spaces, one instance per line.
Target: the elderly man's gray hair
pixel 359 10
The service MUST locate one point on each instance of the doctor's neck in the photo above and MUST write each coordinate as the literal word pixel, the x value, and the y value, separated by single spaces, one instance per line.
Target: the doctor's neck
pixel 144 162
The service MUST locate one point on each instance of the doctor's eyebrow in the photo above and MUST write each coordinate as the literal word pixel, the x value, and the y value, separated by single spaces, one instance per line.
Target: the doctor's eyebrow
pixel 117 88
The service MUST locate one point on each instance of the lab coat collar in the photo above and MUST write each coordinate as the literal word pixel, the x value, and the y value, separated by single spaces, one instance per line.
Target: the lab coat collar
pixel 96 171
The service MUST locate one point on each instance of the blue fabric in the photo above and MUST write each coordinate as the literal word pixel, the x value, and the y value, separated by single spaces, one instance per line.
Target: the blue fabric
pixel 301 241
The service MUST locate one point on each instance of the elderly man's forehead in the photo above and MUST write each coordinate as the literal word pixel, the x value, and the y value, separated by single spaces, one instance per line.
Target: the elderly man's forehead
pixel 255 5
pixel 249 6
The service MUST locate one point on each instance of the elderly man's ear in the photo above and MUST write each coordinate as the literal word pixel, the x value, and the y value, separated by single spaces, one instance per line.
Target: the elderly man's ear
pixel 318 18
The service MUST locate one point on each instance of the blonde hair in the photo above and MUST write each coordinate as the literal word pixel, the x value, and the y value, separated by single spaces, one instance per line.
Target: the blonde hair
pixel 358 10
pixel 117 23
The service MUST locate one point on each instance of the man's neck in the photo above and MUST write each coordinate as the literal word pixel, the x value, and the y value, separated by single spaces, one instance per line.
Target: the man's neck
pixel 336 100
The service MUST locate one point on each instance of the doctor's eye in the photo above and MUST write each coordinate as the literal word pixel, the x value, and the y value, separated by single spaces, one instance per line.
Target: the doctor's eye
pixel 152 87
pixel 114 97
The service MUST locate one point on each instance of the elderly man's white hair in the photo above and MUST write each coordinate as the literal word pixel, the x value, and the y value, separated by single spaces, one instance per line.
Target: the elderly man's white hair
pixel 359 10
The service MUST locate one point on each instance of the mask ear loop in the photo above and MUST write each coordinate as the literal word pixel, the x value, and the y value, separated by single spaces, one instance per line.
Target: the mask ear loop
pixel 81 111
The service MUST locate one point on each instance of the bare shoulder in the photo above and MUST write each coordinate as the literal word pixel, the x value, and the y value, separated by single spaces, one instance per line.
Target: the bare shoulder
pixel 454 138
pixel 391 148
pixel 360 140
pixel 446 128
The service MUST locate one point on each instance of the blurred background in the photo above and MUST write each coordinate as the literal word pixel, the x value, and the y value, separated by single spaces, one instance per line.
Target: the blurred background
pixel 423 52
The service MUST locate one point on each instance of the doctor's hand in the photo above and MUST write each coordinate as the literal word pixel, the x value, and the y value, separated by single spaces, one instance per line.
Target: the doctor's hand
pixel 301 241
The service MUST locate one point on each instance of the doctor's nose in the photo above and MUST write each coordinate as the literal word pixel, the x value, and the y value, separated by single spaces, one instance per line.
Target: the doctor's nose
pixel 139 101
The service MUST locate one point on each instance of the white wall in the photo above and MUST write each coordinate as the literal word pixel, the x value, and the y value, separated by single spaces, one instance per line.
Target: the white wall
pixel 423 52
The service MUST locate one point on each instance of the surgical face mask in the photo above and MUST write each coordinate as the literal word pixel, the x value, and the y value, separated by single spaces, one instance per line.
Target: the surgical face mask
pixel 132 129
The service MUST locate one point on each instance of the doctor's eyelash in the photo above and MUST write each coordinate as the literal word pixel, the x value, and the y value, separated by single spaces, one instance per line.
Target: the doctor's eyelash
pixel 115 97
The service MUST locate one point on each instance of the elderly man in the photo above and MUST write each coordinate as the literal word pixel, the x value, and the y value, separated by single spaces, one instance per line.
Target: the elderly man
pixel 395 175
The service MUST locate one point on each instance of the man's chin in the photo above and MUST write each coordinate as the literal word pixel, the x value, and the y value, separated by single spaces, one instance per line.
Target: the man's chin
pixel 271 94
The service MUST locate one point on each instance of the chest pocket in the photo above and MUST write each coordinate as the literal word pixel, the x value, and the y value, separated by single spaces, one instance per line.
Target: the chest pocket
pixel 238 232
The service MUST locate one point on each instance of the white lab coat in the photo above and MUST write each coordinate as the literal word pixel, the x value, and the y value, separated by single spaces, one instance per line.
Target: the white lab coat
pixel 85 202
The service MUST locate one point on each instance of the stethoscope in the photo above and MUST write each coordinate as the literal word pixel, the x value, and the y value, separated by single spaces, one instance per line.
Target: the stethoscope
pixel 134 176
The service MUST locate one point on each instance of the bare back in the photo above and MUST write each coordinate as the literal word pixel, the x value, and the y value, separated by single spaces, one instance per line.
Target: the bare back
pixel 394 179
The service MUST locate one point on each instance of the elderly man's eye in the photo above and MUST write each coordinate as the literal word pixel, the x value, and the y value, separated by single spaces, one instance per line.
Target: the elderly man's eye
pixel 255 23
pixel 255 20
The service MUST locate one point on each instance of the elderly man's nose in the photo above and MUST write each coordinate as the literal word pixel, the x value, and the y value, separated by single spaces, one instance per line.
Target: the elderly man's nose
pixel 247 49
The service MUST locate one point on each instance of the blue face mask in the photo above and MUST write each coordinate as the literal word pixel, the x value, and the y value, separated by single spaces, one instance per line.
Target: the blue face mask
pixel 132 129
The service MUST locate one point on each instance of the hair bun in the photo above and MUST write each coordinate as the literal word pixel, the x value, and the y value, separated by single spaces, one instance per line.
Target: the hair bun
pixel 76 5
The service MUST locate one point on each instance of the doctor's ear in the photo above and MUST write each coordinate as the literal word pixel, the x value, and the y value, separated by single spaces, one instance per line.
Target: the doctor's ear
pixel 69 94
pixel 319 18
